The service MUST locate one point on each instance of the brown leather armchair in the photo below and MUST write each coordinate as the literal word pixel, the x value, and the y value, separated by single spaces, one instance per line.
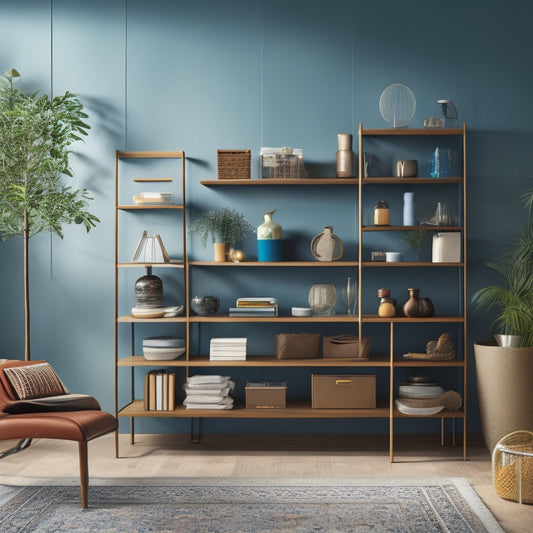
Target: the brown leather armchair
pixel 65 416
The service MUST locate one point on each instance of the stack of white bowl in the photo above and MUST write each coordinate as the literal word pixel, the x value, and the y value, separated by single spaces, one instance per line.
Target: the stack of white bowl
pixel 163 348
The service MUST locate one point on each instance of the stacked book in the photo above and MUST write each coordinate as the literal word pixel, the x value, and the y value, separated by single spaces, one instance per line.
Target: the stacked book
pixel 259 306
pixel 159 391
pixel 148 198
pixel 208 392
pixel 228 349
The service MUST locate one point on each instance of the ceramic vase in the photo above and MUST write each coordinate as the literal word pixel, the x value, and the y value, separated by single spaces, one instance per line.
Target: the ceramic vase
pixel 326 246
pixel 345 156
pixel 269 240
pixel 149 291
pixel 409 209
pixel 412 306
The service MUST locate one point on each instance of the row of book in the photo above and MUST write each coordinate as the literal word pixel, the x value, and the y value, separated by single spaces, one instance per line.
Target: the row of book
pixel 159 391
pixel 259 306
pixel 227 349
pixel 150 249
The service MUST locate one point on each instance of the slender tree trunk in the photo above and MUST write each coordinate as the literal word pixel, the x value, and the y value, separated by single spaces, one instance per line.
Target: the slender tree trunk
pixel 25 237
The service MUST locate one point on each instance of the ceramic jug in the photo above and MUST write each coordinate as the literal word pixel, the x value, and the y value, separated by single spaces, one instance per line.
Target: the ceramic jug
pixel 269 240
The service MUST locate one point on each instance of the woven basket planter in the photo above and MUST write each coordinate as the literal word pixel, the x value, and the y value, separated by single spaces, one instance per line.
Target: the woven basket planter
pixel 505 391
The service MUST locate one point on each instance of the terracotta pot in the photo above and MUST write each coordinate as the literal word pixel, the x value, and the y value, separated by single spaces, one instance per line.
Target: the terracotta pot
pixel 221 252
pixel 505 391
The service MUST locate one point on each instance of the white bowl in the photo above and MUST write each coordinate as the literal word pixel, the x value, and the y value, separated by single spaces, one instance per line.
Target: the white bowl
pixel 162 354
pixel 301 311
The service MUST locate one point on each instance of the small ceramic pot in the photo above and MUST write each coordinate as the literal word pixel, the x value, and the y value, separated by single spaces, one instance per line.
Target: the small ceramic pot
pixel 205 305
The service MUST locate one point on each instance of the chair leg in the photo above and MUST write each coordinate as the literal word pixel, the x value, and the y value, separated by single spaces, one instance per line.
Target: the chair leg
pixel 84 473
pixel 21 445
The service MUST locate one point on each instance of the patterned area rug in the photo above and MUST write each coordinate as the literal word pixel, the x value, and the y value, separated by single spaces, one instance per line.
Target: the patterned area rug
pixel 395 505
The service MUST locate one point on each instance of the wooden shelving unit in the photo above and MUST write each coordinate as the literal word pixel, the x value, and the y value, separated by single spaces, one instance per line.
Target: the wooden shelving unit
pixel 386 361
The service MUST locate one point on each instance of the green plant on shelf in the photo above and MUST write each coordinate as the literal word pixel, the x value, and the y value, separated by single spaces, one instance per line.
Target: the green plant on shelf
pixel 223 226
pixel 416 240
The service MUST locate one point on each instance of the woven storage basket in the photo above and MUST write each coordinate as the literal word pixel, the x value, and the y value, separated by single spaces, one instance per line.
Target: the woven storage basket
pixel 234 164
pixel 512 467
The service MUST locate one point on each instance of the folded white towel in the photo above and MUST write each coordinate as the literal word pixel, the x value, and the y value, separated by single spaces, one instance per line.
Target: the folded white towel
pixel 208 406
pixel 207 379
pixel 206 398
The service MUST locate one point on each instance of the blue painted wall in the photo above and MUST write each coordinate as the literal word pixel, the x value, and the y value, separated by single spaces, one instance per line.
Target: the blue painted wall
pixel 198 76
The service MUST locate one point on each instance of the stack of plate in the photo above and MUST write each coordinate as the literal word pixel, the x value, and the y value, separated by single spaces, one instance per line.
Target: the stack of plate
pixel 163 348
pixel 419 387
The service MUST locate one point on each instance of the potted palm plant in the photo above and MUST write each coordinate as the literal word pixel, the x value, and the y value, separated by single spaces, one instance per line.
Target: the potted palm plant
pixel 225 227
pixel 505 372
pixel 35 137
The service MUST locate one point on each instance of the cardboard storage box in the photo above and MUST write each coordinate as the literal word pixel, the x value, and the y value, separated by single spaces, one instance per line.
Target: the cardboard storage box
pixel 343 391
pixel 345 346
pixel 266 395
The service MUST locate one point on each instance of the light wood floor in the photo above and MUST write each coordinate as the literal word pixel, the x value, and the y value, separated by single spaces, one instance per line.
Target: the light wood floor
pixel 158 456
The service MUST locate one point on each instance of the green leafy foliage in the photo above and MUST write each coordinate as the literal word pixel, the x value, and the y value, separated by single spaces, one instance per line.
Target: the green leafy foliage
pixel 224 225
pixel 513 298
pixel 35 137
pixel 416 239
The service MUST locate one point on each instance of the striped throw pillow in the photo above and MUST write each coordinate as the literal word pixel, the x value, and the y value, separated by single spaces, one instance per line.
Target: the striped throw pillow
pixel 34 381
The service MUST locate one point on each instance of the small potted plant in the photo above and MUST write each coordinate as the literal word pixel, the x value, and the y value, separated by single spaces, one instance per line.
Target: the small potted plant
pixel 225 227
pixel 416 240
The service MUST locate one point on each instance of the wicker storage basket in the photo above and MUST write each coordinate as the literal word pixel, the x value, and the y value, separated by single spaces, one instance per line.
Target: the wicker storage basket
pixel 234 164
pixel 297 345
pixel 512 467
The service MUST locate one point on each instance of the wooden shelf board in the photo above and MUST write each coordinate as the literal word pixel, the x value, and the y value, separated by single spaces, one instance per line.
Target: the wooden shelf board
pixel 277 264
pixel 180 154
pixel 406 319
pixel 385 180
pixel 412 228
pixel 130 319
pixel 139 360
pixel 413 131
pixel 152 180
pixel 226 318
pixel 136 409
pixel 298 181
pixel 135 207
pixel 442 414
pixel 174 263
pixel 409 264
pixel 421 363
pixel 257 361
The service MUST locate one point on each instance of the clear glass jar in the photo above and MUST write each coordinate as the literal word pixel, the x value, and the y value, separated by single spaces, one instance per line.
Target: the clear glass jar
pixel 322 299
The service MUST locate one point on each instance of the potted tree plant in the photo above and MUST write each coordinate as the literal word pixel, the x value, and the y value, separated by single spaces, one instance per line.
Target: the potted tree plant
pixel 225 227
pixel 35 135
pixel 505 372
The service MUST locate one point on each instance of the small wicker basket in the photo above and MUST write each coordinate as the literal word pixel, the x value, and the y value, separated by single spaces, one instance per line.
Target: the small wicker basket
pixel 512 467
pixel 234 164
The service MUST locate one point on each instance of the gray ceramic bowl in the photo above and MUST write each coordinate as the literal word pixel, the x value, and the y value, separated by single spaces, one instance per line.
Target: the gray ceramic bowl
pixel 205 305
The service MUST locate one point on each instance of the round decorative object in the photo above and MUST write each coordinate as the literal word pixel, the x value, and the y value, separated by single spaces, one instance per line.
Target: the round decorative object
pixel 326 246
pixel 322 299
pixel 236 255
pixel 397 104
pixel 149 291
pixel 205 305
pixel 411 308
